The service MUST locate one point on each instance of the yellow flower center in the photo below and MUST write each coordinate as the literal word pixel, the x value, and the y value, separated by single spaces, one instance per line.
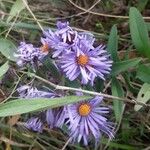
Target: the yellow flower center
pixel 82 60
pixel 84 109
pixel 45 48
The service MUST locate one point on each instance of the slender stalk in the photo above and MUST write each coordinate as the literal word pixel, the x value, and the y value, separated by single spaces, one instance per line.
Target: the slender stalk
pixel 58 87
pixel 26 4
pixel 101 14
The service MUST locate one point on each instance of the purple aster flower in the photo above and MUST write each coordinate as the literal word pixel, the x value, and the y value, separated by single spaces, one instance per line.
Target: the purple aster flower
pixel 86 121
pixel 27 53
pixel 60 40
pixel 87 61
pixel 67 34
pixel 61 25
pixel 54 42
pixel 35 124
pixel 56 117
pixel 85 41
pixel 88 38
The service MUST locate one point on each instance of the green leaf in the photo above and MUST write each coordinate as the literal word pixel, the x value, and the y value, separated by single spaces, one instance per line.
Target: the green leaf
pixel 113 43
pixel 3 69
pixel 139 32
pixel 143 73
pixel 17 7
pixel 117 105
pixel 124 65
pixel 21 106
pixel 143 96
pixel 7 48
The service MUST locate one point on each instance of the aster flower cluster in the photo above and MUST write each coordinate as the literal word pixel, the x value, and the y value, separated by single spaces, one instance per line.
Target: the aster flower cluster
pixel 84 119
pixel 77 58
pixel 75 54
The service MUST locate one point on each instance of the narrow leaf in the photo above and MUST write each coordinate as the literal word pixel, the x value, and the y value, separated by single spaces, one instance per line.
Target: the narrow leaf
pixel 143 95
pixel 113 43
pixel 139 32
pixel 3 69
pixel 143 73
pixel 124 65
pixel 17 7
pixel 7 48
pixel 21 106
pixel 117 105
